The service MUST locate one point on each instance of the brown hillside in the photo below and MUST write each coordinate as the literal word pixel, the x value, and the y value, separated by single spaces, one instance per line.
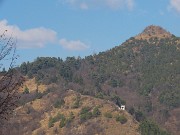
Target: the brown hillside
pixel 153 31
pixel 34 117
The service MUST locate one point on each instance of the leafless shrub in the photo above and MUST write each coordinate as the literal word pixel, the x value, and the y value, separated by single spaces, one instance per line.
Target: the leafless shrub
pixel 10 80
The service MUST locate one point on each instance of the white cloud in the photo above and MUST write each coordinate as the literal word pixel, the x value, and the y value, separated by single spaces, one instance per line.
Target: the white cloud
pixel 84 6
pixel 31 38
pixel 111 4
pixel 38 37
pixel 116 4
pixel 130 4
pixel 73 45
pixel 175 4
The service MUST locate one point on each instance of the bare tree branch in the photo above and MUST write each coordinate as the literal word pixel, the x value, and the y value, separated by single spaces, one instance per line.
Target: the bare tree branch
pixel 11 80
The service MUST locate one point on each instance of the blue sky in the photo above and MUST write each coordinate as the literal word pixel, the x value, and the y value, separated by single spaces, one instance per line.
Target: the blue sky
pixel 61 28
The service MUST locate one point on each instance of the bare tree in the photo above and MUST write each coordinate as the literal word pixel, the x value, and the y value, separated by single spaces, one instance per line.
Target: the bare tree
pixel 10 80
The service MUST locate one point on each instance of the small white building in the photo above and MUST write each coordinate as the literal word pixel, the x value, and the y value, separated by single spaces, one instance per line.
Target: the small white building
pixel 123 107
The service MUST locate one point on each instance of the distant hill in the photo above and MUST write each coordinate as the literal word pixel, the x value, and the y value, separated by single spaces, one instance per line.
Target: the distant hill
pixel 143 72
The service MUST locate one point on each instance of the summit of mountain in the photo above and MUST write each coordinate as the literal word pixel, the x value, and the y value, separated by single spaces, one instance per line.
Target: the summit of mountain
pixel 155 32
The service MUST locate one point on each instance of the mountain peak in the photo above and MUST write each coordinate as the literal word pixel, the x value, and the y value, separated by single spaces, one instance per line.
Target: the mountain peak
pixel 154 31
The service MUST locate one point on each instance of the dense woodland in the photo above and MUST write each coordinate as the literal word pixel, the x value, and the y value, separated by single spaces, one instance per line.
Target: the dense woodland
pixel 150 69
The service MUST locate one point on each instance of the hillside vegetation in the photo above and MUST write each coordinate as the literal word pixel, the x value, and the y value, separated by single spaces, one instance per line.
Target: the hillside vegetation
pixel 143 73
pixel 69 113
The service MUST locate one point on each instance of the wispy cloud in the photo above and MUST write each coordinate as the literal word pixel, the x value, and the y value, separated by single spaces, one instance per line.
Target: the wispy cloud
pixel 31 38
pixel 39 37
pixel 117 4
pixel 84 6
pixel 175 4
pixel 111 4
pixel 130 4
pixel 76 45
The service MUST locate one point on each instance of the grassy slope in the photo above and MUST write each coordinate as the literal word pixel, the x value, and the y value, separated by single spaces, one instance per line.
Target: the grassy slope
pixel 33 117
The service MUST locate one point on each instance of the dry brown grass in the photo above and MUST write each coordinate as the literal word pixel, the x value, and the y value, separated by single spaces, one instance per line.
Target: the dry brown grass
pixel 147 37
pixel 99 125
pixel 32 86
pixel 153 32
pixel 109 125
pixel 173 122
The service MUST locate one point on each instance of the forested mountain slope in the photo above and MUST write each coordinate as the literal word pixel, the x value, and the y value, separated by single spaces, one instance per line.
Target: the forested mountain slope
pixel 143 72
